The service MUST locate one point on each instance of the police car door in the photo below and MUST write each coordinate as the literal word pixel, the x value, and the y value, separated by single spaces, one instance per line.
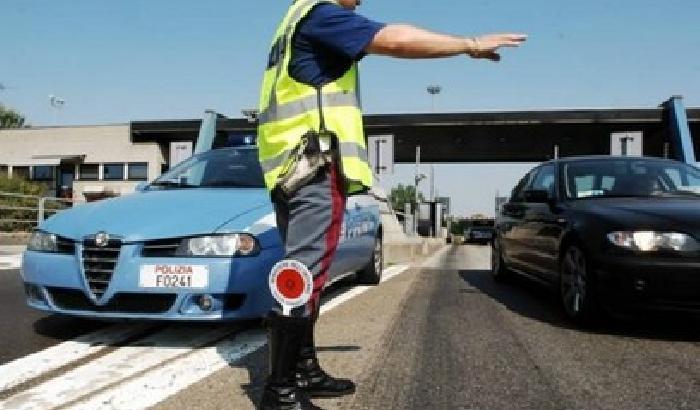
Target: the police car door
pixel 356 243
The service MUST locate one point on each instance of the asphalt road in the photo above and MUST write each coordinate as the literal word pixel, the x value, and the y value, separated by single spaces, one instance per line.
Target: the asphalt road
pixel 24 330
pixel 439 336
pixel 462 341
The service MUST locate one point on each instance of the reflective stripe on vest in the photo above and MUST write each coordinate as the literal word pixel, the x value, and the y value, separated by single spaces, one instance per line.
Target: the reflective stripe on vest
pixel 347 149
pixel 281 124
pixel 293 108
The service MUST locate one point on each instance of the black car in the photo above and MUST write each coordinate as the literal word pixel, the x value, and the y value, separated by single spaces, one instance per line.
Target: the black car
pixel 480 231
pixel 617 233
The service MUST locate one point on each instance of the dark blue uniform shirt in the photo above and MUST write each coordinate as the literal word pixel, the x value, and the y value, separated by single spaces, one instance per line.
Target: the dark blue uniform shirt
pixel 326 43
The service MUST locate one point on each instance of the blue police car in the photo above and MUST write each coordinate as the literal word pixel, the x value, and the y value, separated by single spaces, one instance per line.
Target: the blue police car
pixel 197 243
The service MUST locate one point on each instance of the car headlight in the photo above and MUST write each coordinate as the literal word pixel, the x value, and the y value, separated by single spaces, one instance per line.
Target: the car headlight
pixel 42 242
pixel 240 244
pixel 648 241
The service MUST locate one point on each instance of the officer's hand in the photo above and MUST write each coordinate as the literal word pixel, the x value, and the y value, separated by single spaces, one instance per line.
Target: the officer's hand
pixel 487 46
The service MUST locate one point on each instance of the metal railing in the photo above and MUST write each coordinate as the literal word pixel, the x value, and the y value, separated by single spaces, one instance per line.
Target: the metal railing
pixel 20 212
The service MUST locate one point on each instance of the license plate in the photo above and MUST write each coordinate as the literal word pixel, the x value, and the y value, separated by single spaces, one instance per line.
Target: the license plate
pixel 174 276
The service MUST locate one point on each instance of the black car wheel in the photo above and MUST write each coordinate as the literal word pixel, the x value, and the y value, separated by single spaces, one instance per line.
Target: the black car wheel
pixel 577 290
pixel 372 273
pixel 499 270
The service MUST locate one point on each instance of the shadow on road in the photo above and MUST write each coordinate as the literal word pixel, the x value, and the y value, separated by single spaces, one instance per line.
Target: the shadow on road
pixel 257 363
pixel 535 301
pixel 61 327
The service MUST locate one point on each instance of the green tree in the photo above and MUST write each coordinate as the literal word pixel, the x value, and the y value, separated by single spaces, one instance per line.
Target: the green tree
pixel 402 194
pixel 18 208
pixel 10 118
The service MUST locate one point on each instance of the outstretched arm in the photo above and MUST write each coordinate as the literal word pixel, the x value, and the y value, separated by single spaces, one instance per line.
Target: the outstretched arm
pixel 405 41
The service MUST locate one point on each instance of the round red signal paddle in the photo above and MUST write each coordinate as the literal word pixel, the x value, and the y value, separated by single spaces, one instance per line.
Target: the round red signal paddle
pixel 291 284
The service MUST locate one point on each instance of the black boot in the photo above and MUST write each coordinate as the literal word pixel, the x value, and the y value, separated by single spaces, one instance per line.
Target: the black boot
pixel 311 377
pixel 284 341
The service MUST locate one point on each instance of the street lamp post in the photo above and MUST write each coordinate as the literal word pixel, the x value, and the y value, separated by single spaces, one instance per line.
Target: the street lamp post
pixel 57 104
pixel 433 90
pixel 417 178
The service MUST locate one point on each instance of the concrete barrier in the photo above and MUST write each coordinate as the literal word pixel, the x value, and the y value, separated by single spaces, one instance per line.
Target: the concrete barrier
pixel 410 250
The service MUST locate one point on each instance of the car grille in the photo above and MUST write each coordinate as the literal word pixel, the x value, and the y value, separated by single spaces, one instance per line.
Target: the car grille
pixel 161 248
pixel 72 299
pixel 99 263
pixel 65 245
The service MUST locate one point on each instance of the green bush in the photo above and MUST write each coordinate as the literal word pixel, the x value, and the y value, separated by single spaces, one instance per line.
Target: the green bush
pixel 24 187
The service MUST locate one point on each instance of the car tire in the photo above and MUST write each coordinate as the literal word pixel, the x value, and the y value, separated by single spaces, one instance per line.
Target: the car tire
pixel 372 273
pixel 577 288
pixel 499 270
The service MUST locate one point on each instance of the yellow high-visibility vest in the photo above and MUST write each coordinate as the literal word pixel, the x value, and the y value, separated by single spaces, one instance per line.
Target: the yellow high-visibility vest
pixel 289 109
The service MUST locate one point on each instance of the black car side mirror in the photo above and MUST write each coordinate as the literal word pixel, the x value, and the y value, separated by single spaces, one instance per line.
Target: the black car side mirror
pixel 540 196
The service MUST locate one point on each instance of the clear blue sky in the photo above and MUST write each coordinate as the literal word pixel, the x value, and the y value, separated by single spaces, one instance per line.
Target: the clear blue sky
pixel 116 61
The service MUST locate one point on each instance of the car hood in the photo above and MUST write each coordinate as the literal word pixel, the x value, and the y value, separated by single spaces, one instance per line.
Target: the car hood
pixel 646 213
pixel 163 214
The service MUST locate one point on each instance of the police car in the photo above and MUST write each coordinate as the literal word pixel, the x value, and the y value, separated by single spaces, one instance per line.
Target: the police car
pixel 197 243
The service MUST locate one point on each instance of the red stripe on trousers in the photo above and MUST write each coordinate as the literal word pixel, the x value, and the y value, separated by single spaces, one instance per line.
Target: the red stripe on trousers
pixel 332 238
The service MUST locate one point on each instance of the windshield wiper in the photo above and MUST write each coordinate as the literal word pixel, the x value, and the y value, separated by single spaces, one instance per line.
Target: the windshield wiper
pixel 173 184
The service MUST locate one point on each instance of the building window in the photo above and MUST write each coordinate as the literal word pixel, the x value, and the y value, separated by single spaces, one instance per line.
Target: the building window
pixel 89 172
pixel 113 172
pixel 138 171
pixel 20 172
pixel 3 170
pixel 43 173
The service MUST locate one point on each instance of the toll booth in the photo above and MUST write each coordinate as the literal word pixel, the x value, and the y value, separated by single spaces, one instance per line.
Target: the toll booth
pixel 430 219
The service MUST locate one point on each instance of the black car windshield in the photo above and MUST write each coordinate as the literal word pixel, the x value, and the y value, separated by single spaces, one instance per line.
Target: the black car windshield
pixel 630 178
pixel 222 168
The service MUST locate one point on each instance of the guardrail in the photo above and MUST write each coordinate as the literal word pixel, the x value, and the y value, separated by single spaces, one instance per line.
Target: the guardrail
pixel 19 212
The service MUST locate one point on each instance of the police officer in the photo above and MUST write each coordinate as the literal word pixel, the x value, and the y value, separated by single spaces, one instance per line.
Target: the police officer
pixel 313 153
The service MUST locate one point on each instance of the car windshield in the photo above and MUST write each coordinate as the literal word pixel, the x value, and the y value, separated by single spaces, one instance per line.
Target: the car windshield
pixel 630 178
pixel 223 168
pixel 481 224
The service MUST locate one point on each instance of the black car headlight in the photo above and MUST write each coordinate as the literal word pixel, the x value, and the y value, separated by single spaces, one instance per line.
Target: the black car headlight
pixel 649 241
pixel 240 244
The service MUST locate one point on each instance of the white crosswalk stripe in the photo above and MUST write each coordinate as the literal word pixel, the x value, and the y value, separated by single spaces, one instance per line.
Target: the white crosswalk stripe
pixel 19 371
pixel 140 374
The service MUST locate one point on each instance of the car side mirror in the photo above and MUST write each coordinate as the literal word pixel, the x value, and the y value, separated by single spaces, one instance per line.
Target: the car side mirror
pixel 141 186
pixel 538 196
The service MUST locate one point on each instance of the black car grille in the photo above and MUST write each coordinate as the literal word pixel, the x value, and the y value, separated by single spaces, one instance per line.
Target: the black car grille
pixel 99 263
pixel 72 299
pixel 65 245
pixel 161 248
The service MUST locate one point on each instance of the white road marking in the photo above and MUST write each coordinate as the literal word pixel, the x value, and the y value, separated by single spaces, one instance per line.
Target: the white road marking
pixel 157 385
pixel 141 374
pixel 105 371
pixel 28 367
pixel 432 261
pixel 387 274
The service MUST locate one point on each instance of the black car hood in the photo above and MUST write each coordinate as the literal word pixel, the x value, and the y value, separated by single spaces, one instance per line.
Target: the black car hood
pixel 669 214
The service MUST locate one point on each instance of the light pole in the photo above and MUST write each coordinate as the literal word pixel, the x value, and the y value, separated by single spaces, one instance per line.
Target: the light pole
pixel 433 90
pixel 417 178
pixel 57 103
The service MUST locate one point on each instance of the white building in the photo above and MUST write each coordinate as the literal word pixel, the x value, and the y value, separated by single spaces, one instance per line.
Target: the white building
pixel 81 162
